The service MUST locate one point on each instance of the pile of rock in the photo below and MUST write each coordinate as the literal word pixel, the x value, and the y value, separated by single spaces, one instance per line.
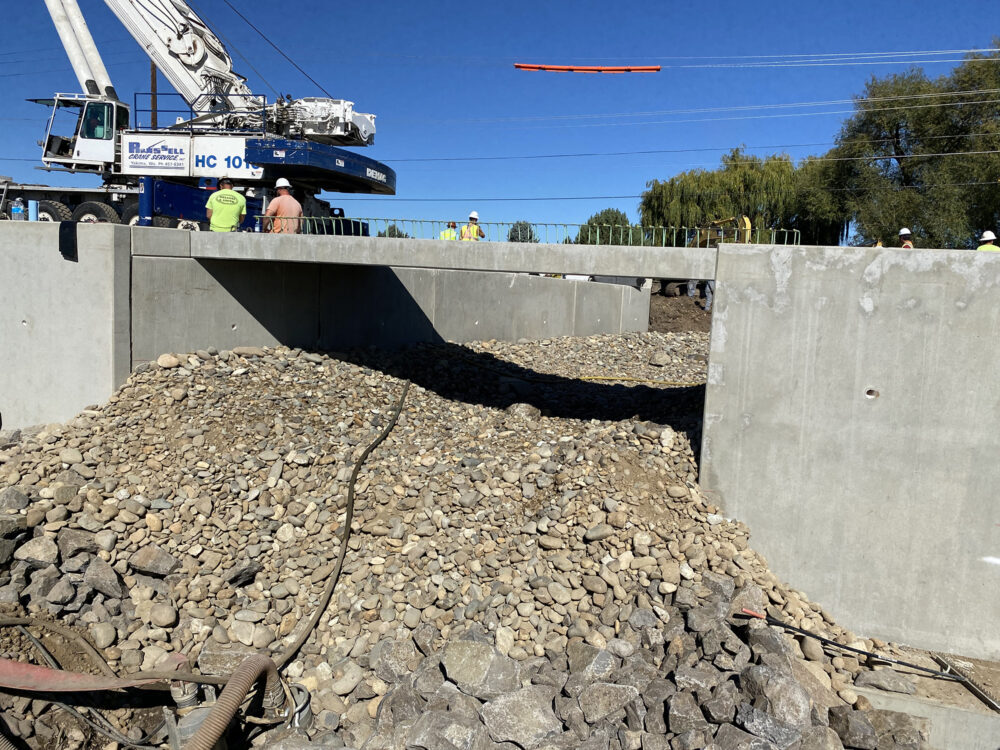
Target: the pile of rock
pixel 555 521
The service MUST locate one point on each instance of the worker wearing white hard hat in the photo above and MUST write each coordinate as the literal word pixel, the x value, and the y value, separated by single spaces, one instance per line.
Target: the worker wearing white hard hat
pixel 987 241
pixel 284 213
pixel 906 238
pixel 472 232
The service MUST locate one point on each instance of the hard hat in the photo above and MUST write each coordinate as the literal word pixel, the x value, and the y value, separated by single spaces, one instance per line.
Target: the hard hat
pixel 282 183
pixel 904 231
pixel 474 215
pixel 988 236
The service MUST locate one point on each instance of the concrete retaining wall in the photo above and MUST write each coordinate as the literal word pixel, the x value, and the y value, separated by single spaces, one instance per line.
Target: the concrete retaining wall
pixel 71 329
pixel 851 421
pixel 64 319
pixel 182 304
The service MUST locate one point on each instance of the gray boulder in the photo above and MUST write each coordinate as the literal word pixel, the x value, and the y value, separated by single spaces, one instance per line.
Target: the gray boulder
pixel 479 669
pixel 524 717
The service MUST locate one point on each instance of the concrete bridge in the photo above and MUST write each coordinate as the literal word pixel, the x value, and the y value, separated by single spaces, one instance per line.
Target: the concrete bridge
pixel 850 411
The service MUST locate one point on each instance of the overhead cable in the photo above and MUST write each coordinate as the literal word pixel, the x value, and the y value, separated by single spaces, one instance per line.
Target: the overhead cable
pixel 279 50
pixel 862 141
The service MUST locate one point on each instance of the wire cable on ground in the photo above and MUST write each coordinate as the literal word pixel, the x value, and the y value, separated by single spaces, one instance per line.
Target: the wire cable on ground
pixel 289 653
pixel 878 657
pixel 108 729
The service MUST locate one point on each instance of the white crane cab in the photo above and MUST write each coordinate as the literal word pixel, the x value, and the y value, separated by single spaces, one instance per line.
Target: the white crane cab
pixel 89 138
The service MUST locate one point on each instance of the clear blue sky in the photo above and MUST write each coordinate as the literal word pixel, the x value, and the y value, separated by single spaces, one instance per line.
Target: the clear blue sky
pixel 440 78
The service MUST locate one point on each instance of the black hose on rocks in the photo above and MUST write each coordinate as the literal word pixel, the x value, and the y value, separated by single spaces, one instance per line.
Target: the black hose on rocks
pixel 291 651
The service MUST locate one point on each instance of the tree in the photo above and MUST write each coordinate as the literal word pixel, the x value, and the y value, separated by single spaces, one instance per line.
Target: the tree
pixel 893 173
pixel 522 231
pixel 393 231
pixel 610 227
pixel 744 185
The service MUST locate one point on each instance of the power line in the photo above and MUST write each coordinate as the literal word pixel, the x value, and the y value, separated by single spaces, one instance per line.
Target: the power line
pixel 739 108
pixel 396 199
pixel 647 152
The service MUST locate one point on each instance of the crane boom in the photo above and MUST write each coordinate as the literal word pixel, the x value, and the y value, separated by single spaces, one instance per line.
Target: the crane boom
pixel 198 66
pixel 187 52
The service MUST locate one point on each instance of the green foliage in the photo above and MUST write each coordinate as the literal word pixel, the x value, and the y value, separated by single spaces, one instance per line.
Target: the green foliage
pixel 884 173
pixel 522 231
pixel 892 178
pixel 610 227
pixel 762 189
pixel 393 231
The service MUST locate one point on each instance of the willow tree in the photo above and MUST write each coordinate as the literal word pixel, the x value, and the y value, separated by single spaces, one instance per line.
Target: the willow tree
pixel 744 185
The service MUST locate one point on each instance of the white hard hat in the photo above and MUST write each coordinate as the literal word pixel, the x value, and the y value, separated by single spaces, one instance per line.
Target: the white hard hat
pixel 282 183
pixel 474 215
pixel 988 236
pixel 903 231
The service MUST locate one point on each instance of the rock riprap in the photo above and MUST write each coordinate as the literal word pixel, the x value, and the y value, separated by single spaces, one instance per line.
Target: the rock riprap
pixel 532 563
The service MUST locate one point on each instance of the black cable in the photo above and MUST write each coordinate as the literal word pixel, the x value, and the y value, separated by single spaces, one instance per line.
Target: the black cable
pixel 108 730
pixel 280 52
pixel 878 657
pixel 324 602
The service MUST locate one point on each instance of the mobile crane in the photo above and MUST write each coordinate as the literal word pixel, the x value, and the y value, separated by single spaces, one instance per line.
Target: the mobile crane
pixel 226 131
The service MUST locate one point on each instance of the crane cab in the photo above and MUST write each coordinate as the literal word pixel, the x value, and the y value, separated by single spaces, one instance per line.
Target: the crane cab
pixel 83 133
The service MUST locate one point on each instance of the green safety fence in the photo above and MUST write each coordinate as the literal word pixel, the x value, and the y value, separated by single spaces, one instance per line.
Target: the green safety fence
pixel 579 234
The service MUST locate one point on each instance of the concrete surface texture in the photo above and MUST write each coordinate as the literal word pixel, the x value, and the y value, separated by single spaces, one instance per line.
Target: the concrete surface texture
pixel 850 421
pixel 603 260
pixel 64 318
pixel 183 304
pixel 952 728
pixel 83 304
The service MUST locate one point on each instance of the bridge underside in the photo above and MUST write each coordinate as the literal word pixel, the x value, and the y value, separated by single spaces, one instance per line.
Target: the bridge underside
pixel 850 409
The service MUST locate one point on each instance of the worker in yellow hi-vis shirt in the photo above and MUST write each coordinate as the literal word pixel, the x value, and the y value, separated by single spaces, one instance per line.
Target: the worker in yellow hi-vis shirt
pixel 225 208
pixel 471 232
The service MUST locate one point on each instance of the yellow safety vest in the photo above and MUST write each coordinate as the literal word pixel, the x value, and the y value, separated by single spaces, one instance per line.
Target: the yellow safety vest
pixel 470 232
pixel 990 248
pixel 449 234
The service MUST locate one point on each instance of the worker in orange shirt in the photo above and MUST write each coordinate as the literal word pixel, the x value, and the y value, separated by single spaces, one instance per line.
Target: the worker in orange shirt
pixel 471 232
pixel 284 213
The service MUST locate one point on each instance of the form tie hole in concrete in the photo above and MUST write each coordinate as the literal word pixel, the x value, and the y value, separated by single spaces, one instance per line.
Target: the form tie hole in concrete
pixel 871 394
pixel 233 326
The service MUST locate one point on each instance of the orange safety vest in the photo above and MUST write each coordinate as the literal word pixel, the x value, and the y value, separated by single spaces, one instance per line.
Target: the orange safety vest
pixel 470 232
pixel 907 245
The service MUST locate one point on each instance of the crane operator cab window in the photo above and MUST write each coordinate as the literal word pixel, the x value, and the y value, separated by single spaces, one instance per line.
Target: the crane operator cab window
pixel 97 121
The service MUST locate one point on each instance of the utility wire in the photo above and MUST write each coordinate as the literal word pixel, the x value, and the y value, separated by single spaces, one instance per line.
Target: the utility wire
pixel 622 197
pixel 279 50
pixel 864 141
pixel 859 103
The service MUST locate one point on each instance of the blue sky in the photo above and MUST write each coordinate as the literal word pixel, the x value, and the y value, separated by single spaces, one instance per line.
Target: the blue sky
pixel 440 78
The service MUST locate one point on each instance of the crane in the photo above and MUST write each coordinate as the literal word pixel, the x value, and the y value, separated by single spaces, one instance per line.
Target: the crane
pixel 226 129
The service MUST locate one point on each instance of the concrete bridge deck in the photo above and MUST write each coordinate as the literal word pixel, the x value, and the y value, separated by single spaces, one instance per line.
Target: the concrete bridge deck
pixel 509 257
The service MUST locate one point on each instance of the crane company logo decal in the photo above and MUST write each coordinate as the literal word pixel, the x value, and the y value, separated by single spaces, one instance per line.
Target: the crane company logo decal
pixel 156 155
pixel 375 174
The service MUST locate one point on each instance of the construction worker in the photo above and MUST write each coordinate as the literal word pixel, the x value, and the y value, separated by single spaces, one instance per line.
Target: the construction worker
pixel 471 232
pixel 284 212
pixel 988 239
pixel 226 208
pixel 449 233
pixel 906 238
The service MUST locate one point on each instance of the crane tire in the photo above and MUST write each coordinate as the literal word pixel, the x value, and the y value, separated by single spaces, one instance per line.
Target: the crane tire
pixel 94 212
pixel 54 211
pixel 130 214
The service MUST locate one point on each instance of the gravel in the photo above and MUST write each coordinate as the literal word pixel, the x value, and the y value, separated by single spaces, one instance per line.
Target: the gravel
pixel 532 561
